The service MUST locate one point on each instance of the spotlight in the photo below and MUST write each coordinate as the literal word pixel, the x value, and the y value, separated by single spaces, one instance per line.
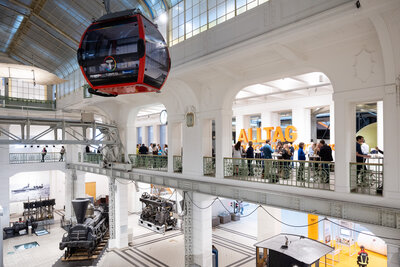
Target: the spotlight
pixel 31 145
pixel 54 145
pixel 358 4
pixel 38 146
pixel 47 146
pixel 25 146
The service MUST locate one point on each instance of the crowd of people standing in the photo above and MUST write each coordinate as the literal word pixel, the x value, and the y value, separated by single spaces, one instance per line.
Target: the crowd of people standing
pixel 284 151
pixel 152 149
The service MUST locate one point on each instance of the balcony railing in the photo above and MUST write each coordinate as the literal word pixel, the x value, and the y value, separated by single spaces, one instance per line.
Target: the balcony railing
pixel 14 102
pixel 20 158
pixel 178 164
pixel 308 174
pixel 149 162
pixel 209 166
pixel 366 178
pixel 94 158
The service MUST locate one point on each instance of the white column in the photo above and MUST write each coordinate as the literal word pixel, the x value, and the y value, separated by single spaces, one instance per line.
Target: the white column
pixel 242 122
pixel 275 119
pixel 156 134
pixel 379 115
pixel 266 121
pixel 1 238
pixel 332 123
pixel 223 140
pixel 391 125
pixel 121 216
pixel 5 195
pixel 79 184
pixel 267 226
pixel 301 119
pixel 393 255
pixel 133 198
pixel 201 230
pixel 192 158
pixel 345 143
pixel 174 142
pixel 145 136
pixel 130 139
pixel 69 193
pixel 6 173
pixel 206 137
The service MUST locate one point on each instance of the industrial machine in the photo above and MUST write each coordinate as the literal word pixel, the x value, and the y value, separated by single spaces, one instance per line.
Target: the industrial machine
pixel 157 213
pixel 123 53
pixel 40 209
pixel 20 228
pixel 89 231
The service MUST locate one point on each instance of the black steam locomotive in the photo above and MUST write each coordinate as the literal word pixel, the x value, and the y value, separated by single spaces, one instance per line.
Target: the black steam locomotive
pixel 157 213
pixel 89 231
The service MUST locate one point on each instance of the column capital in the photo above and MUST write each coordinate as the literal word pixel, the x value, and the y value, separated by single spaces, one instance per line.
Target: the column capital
pixel 391 89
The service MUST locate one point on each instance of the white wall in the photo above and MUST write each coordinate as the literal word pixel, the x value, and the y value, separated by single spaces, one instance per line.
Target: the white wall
pixel 57 188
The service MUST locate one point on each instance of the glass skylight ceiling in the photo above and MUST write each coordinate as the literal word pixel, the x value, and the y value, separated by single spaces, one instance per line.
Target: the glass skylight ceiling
pixel 294 84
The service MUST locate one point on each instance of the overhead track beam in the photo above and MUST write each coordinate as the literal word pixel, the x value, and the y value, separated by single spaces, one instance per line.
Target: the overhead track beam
pixel 382 217
pixel 48 23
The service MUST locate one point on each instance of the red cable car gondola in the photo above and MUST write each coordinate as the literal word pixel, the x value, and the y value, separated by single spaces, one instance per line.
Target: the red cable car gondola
pixel 123 53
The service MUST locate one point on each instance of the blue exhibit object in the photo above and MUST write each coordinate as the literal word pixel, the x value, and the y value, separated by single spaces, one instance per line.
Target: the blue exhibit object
pixel 215 256
pixel 26 246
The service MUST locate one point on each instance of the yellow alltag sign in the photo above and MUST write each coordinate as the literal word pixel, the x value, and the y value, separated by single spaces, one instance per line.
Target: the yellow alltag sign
pixel 290 134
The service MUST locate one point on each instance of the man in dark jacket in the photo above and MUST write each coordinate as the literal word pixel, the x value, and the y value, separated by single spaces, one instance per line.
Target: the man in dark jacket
pixel 143 149
pixel 325 154
pixel 250 155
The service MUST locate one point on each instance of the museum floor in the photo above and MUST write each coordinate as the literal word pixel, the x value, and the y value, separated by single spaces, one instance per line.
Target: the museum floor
pixel 234 242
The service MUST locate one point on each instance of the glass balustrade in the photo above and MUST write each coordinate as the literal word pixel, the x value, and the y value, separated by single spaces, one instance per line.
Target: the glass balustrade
pixel 20 158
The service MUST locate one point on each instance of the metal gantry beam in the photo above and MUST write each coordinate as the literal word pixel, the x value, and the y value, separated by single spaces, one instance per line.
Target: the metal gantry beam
pixel 74 128
pixel 188 228
pixel 111 206
pixel 386 218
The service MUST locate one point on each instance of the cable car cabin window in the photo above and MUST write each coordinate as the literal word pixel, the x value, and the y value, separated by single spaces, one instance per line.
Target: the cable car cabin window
pixel 157 57
pixel 110 50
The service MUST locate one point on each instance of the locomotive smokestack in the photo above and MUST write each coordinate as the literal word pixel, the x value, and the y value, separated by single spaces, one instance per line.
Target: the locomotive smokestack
pixel 80 206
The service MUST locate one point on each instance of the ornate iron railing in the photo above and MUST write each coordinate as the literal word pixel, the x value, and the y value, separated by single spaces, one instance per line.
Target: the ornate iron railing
pixel 209 166
pixel 178 164
pixel 20 158
pixel 149 162
pixel 94 158
pixel 366 178
pixel 308 174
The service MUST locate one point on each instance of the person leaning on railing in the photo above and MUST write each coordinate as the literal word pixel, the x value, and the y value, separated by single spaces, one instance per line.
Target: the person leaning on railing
pixel 266 151
pixel 325 154
pixel 286 155
pixel 250 155
pixel 301 156
pixel 360 157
